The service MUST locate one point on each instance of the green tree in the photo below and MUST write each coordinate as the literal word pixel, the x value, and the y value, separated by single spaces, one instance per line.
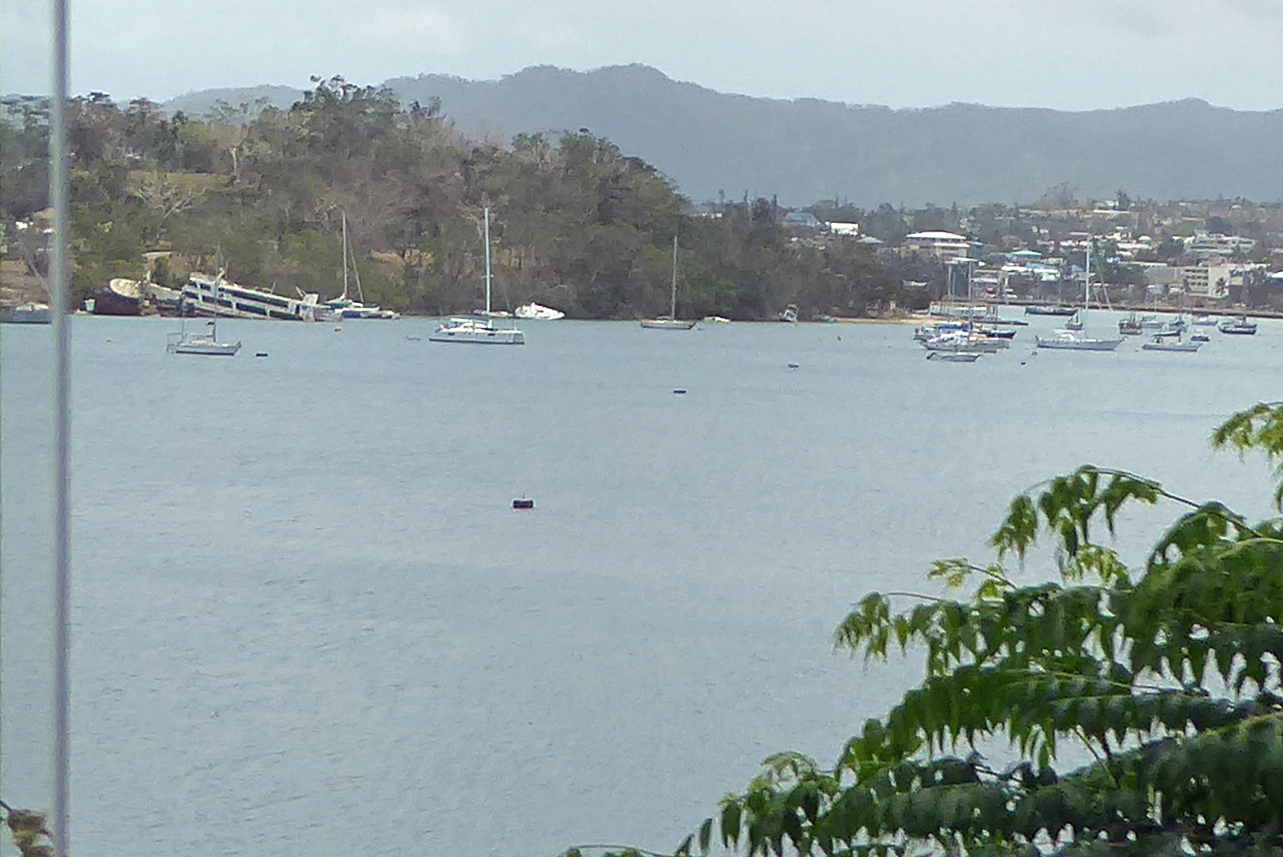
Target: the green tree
pixel 1168 674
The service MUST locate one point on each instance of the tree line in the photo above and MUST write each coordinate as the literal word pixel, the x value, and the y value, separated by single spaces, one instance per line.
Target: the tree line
pixel 260 192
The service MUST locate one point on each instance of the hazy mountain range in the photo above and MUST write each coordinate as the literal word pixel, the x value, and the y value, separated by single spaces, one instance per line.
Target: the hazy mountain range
pixel 806 150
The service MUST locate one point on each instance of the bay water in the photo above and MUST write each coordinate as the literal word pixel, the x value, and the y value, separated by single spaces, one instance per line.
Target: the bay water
pixel 306 618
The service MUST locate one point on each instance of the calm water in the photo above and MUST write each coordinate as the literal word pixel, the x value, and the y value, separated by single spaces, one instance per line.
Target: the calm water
pixel 306 616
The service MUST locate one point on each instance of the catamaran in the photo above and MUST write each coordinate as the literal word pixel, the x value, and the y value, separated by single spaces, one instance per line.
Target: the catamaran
pixel 479 331
pixel 205 344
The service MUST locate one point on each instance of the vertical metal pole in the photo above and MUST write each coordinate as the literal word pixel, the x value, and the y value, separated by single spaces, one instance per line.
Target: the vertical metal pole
pixel 59 191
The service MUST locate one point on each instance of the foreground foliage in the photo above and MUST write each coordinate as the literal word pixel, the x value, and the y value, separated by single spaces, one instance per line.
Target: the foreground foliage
pixel 1168 674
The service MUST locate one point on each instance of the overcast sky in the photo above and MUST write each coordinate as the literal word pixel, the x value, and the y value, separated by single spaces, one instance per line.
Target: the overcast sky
pixel 1065 54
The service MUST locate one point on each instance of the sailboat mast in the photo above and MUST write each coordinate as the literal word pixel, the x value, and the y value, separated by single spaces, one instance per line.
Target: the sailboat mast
pixel 1087 284
pixel 672 305
pixel 487 232
pixel 344 295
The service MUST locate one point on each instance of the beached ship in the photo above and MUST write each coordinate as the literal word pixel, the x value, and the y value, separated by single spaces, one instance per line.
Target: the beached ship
pixel 214 296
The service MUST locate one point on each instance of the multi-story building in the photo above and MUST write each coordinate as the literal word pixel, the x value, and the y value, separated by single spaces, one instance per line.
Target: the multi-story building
pixel 943 245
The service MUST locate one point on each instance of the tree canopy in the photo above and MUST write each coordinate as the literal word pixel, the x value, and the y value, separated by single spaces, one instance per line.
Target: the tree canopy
pixel 1166 677
pixel 260 191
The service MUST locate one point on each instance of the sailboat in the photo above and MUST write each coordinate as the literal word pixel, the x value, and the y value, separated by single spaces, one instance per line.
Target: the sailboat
pixel 479 330
pixel 670 321
pixel 344 308
pixel 1073 340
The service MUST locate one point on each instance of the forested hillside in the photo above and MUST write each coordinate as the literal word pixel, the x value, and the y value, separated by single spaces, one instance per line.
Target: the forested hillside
pixel 260 191
pixel 803 150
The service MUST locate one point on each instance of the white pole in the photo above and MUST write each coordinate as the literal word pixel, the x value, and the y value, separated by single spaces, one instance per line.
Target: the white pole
pixel 345 255
pixel 487 215
pixel 59 192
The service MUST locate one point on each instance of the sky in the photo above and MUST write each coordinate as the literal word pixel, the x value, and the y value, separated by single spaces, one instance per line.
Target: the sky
pixel 1062 54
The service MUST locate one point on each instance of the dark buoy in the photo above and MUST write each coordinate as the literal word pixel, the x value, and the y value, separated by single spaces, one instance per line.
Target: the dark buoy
pixel 523 503
pixel 679 392
pixel 793 365
pixel 260 353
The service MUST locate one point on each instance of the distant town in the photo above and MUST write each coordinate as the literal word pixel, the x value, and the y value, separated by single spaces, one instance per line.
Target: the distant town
pixel 1209 254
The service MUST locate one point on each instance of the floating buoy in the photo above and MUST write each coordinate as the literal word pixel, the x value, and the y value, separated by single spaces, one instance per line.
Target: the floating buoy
pixel 679 392
pixel 793 365
pixel 260 353
pixel 523 503
pixel 338 330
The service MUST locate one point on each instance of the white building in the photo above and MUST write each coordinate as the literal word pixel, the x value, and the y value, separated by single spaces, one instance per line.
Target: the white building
pixel 943 245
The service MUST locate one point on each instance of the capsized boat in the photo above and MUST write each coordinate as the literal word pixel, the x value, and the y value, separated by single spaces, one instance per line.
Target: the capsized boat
pixel 538 312
pixel 121 296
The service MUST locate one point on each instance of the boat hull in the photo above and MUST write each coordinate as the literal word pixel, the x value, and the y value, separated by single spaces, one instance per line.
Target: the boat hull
pixel 1078 344
pixel 213 349
pixel 26 314
pixel 954 356
pixel 1184 347
pixel 474 332
pixel 494 337
pixel 214 297
pixel 111 300
pixel 667 324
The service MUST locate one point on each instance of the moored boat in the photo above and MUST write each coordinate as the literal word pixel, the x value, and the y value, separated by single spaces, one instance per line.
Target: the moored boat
pixel 479 331
pixel 1049 310
pixel 1069 340
pixel 671 321
pixel 1159 343
pixel 26 313
pixel 1240 326
pixel 204 344
pixel 954 356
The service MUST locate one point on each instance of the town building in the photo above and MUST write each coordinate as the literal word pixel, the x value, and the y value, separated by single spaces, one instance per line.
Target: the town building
pixel 943 245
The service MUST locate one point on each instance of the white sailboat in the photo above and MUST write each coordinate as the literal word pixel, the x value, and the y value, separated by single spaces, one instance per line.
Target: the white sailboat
pixel 1075 340
pixel 479 331
pixel 343 307
pixel 670 321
